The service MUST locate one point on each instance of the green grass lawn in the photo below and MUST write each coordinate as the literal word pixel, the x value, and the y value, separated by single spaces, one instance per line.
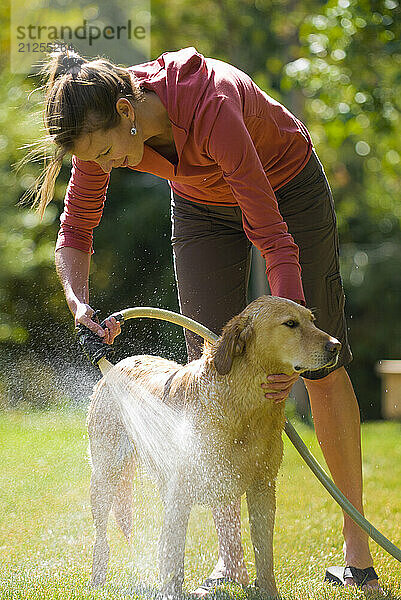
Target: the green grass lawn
pixel 46 529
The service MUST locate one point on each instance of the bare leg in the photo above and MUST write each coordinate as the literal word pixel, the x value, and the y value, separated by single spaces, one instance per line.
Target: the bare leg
pixel 337 424
pixel 177 507
pixel 231 554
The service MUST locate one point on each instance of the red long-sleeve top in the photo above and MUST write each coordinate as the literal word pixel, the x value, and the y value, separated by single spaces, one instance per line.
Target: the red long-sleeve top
pixel 235 146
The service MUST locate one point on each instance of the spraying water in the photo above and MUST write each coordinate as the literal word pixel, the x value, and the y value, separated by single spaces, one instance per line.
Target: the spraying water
pixel 162 436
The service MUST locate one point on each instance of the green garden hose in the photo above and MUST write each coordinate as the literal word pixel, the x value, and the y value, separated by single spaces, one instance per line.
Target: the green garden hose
pixel 172 317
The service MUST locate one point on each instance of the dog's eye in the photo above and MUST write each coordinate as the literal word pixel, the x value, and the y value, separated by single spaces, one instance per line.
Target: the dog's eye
pixel 291 324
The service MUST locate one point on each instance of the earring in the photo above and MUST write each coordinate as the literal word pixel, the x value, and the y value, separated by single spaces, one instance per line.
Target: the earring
pixel 133 130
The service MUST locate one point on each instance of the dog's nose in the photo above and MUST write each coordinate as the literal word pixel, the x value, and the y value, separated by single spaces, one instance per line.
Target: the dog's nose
pixel 333 345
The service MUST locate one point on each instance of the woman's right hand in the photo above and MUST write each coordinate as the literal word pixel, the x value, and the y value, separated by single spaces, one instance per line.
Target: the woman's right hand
pixel 84 313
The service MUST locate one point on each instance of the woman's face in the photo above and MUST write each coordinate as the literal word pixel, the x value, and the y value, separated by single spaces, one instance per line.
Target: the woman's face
pixel 115 147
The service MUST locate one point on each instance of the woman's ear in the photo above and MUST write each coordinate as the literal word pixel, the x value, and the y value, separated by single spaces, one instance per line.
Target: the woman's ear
pixel 231 343
pixel 125 108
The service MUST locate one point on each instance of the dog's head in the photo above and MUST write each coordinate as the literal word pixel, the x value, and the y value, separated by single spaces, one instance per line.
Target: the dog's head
pixel 275 333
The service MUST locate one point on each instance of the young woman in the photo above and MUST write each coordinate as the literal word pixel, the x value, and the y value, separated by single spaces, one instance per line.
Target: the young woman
pixel 242 171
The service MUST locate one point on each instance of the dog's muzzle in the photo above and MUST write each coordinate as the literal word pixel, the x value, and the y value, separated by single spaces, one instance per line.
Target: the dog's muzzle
pixel 331 352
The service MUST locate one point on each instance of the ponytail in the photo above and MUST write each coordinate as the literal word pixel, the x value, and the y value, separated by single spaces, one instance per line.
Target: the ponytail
pixel 80 98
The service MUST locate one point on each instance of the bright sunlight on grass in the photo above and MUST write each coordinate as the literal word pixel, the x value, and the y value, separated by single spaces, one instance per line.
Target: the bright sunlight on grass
pixel 46 529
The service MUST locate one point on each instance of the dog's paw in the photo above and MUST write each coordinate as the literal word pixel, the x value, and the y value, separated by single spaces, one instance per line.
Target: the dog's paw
pixel 171 592
pixel 98 580
pixel 170 596
pixel 268 591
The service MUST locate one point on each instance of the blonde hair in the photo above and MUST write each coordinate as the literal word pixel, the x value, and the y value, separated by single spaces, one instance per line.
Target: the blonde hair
pixel 80 98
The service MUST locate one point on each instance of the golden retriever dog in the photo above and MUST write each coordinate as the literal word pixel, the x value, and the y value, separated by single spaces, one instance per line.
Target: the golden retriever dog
pixel 234 434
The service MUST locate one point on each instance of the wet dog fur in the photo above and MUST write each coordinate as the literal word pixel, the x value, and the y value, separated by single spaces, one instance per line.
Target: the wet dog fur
pixel 238 432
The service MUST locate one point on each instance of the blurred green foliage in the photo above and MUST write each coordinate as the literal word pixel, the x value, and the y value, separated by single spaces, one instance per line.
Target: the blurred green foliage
pixel 336 65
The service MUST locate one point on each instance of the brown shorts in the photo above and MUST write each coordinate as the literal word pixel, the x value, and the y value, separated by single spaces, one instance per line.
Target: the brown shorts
pixel 212 258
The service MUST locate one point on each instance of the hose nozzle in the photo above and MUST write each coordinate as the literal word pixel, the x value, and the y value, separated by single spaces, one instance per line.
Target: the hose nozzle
pixel 92 345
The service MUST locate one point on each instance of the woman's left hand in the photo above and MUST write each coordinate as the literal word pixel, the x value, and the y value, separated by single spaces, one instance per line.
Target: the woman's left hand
pixel 279 386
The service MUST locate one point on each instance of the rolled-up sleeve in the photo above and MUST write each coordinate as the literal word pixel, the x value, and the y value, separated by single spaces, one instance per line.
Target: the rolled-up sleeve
pixel 231 146
pixel 83 205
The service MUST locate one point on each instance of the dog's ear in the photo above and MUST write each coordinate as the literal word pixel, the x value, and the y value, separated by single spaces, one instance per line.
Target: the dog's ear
pixel 231 343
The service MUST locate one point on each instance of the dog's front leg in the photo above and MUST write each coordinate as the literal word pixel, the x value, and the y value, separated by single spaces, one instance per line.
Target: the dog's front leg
pixel 177 507
pixel 261 498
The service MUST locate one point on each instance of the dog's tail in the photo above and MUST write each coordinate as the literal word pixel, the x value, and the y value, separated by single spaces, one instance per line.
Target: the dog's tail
pixel 123 501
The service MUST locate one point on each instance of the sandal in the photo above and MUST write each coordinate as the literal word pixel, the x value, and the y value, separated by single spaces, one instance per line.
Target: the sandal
pixel 210 584
pixel 338 575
